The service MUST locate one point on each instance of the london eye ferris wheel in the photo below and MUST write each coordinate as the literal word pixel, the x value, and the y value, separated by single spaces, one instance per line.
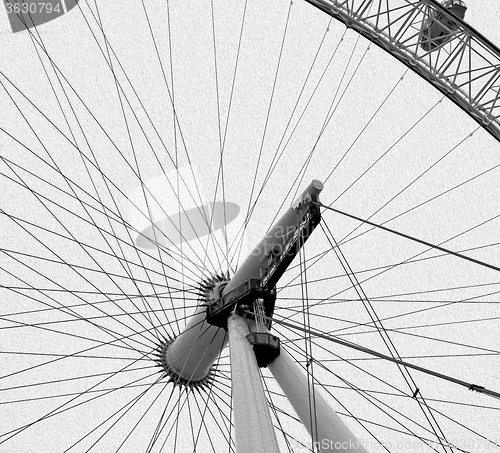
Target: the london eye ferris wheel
pixel 262 226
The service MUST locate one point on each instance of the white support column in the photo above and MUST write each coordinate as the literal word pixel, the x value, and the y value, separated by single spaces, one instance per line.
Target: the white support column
pixel 330 433
pixel 254 431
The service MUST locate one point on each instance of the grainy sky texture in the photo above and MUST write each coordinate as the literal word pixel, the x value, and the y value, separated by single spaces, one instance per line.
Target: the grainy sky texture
pixel 98 110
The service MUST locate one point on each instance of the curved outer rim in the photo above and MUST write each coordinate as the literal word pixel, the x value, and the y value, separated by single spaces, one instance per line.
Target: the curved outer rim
pixel 410 59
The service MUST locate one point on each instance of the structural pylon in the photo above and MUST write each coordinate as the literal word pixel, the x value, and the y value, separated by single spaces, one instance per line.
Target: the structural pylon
pixel 238 311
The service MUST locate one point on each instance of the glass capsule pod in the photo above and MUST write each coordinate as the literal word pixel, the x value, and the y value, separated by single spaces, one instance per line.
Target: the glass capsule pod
pixel 438 28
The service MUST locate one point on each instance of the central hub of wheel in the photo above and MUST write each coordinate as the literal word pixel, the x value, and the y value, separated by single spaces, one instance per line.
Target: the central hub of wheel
pixel 179 368
pixel 188 359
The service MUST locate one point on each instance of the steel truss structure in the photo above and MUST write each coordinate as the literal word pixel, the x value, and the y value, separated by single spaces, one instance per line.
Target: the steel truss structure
pixel 466 69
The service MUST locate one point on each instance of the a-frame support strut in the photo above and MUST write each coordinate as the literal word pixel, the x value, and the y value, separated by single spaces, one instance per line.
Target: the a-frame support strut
pixel 253 427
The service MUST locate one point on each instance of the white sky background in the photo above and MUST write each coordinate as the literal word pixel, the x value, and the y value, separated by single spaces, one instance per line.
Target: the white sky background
pixel 73 49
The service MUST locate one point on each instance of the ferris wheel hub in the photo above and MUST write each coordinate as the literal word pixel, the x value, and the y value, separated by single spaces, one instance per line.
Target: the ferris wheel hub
pixel 184 363
pixel 174 375
pixel 190 358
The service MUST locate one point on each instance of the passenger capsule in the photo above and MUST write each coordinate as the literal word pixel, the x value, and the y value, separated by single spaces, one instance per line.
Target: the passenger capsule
pixel 438 28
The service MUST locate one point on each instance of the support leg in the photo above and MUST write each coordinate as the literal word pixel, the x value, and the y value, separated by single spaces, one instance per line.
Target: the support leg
pixel 325 427
pixel 254 429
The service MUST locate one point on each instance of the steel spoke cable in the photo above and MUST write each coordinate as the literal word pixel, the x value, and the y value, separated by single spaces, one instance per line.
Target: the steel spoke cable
pixel 385 336
pixel 100 229
pixel 203 425
pixel 143 415
pixel 220 170
pixel 19 220
pixel 337 301
pixel 73 213
pixel 401 331
pixel 179 408
pixel 271 169
pixel 73 320
pixel 427 356
pixel 74 139
pixel 334 106
pixel 77 354
pixel 92 163
pixel 131 404
pixel 443 304
pixel 276 156
pixel 160 421
pixel 476 176
pixel 212 394
pixel 369 351
pixel 449 190
pixel 94 347
pixel 307 363
pixel 107 209
pixel 21 290
pixel 227 424
pixel 80 318
pixel 297 349
pixel 490 441
pixel 87 338
pixel 424 116
pixel 106 330
pixel 412 238
pixel 157 133
pixel 193 290
pixel 73 237
pixel 393 329
pixel 270 104
pixel 392 394
pixel 190 418
pixel 306 321
pixel 35 193
pixel 132 147
pixel 171 95
pixel 302 170
pixel 372 117
pixel 296 311
pixel 202 414
pixel 345 239
pixel 176 422
pixel 75 291
pixel 63 395
pixel 275 409
pixel 58 381
pixel 294 347
pixel 461 142
pixel 354 324
pixel 321 255
pixel 174 115
pixel 426 337
pixel 62 356
pixel 400 392
pixel 61 409
pixel 89 304
pixel 327 120
pixel 378 404
pixel 137 169
pixel 395 266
